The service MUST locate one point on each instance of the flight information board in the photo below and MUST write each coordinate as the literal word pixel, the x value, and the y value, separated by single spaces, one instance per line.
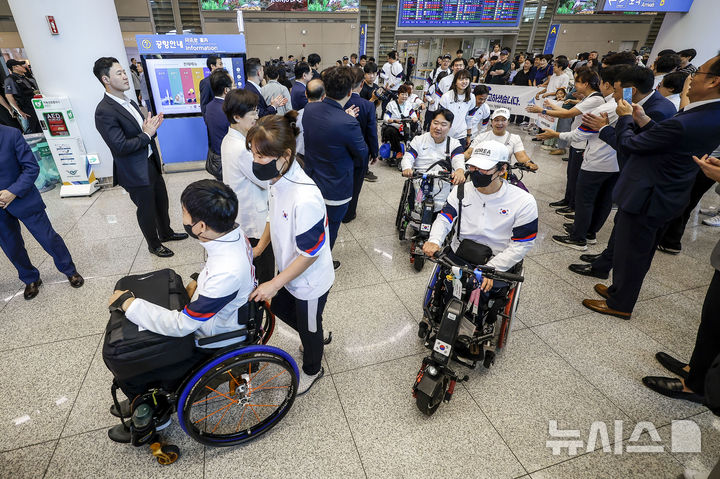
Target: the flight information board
pixel 460 13
pixel 647 5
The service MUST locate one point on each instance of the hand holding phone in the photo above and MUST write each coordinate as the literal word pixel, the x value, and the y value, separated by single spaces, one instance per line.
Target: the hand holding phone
pixel 627 95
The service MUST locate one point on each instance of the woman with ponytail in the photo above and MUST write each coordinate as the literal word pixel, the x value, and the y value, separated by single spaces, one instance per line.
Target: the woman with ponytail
pixel 300 239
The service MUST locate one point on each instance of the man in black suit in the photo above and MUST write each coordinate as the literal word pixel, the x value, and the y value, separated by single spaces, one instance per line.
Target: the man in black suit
pixel 136 161
pixel 254 74
pixel 206 94
pixel 366 116
pixel 656 181
pixel 658 108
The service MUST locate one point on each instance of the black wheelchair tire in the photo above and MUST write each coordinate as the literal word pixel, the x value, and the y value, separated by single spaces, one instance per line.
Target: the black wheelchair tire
pixel 402 207
pixel 418 263
pixel 211 439
pixel 425 403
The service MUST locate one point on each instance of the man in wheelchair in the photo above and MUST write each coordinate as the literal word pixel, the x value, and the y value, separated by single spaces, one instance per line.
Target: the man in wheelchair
pixel 218 293
pixel 493 214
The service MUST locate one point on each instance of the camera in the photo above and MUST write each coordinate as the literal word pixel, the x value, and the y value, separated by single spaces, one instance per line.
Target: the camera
pixel 384 95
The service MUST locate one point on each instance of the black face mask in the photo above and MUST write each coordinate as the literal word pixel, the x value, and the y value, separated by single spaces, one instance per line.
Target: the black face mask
pixel 481 180
pixel 189 230
pixel 265 172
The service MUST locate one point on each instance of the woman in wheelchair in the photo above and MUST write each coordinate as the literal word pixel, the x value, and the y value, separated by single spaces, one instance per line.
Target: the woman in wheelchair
pixel 493 213
pixel 217 293
pixel 393 129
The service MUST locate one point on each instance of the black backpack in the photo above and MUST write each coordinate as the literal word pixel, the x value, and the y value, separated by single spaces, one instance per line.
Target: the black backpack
pixel 128 352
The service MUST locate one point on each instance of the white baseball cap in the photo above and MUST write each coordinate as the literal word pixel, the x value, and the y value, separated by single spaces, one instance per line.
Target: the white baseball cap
pixel 488 154
pixel 504 112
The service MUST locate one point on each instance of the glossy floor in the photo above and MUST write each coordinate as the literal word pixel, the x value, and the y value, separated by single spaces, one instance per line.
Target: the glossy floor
pixel 563 362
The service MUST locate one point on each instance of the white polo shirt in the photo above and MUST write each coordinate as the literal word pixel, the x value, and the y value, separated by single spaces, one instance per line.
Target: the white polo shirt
pixel 392 74
pixel 598 155
pixel 299 226
pixel 585 105
pixel 478 119
pixel 460 109
pixel 557 81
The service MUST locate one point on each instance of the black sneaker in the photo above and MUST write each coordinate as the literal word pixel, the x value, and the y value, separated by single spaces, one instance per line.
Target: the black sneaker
pixel 667 250
pixel 591 238
pixel 565 211
pixel 370 176
pixel 567 241
pixel 568 228
pixel 559 204
pixel 566 159
pixel 336 265
pixel 589 258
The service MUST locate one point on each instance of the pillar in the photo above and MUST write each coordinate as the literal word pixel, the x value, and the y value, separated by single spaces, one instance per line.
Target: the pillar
pixel 62 64
pixel 693 29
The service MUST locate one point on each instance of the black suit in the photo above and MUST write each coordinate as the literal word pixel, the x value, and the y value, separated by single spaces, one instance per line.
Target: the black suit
pixel 654 186
pixel 368 124
pixel 133 169
pixel 263 108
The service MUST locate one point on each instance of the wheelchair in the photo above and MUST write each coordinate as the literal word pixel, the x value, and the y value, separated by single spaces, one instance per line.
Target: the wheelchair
pixel 418 205
pixel 408 130
pixel 236 395
pixel 460 325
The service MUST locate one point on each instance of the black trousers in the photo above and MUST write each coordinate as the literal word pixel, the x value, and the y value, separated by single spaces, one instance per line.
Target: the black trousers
pixel 358 180
pixel 152 207
pixel 636 239
pixel 575 159
pixel 605 260
pixel 168 377
pixel 675 229
pixel 264 264
pixel 593 202
pixel 393 136
pixel 707 344
pixel 305 317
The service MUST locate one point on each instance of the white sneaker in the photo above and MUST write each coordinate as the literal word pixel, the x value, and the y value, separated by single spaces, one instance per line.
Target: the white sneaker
pixel 709 211
pixel 305 381
pixel 547 147
pixel 712 221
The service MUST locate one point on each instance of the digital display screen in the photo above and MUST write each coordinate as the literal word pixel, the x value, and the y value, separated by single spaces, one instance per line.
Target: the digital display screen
pixel 576 7
pixel 460 13
pixel 647 5
pixel 175 82
pixel 336 6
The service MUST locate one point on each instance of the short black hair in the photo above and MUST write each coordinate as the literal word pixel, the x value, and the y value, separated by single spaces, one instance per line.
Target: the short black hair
pixel 353 55
pixel 219 80
pixel 675 81
pixel 252 67
pixel 667 51
pixel 338 82
pixel 392 54
pixel 481 90
pixel 449 116
pixel 315 90
pixel 440 76
pixel 622 58
pixel 301 68
pixel 358 76
pixel 272 71
pixel 459 51
pixel 212 202
pixel 667 63
pixel 610 74
pixel 363 57
pixel 239 102
pixel 688 53
pixel 102 67
pixel 493 57
pixel 641 78
pixel 212 60
pixel 314 59
pixel 589 76
pixel 459 60
pixel 370 67
pixel 562 63
pixel 372 59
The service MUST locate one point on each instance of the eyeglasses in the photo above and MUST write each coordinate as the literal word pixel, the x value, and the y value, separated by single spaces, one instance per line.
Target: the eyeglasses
pixel 692 75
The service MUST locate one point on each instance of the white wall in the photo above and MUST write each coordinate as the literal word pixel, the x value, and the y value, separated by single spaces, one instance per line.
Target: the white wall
pixel 696 29
pixel 62 64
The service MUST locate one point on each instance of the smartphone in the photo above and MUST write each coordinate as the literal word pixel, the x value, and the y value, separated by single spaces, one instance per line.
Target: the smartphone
pixel 627 95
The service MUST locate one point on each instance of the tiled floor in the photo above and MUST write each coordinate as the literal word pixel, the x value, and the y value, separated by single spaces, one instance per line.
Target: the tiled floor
pixel 563 363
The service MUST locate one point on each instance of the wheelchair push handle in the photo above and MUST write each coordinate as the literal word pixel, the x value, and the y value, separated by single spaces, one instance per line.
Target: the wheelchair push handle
pixel 521 167
pixel 487 271
pixel 445 174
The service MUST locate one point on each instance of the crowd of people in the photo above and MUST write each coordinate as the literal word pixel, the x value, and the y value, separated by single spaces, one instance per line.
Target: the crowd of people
pixel 290 158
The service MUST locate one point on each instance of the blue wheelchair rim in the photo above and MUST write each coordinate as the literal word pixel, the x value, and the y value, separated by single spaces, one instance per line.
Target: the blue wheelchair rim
pixel 236 352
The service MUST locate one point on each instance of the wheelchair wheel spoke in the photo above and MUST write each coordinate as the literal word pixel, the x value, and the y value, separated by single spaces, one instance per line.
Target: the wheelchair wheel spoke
pixel 213 413
pixel 233 377
pixel 258 388
pixel 221 418
pixel 253 410
pixel 269 387
pixel 206 399
pixel 223 395
pixel 242 416
pixel 261 370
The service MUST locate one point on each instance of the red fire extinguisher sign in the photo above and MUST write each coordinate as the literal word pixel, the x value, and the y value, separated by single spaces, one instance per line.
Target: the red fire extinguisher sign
pixel 52 25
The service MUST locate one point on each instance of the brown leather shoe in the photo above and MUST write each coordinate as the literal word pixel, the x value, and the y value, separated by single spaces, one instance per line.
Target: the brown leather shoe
pixel 32 289
pixel 600 306
pixel 558 151
pixel 76 280
pixel 602 290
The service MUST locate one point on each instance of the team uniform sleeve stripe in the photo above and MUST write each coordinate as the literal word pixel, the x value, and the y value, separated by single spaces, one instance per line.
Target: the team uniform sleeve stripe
pixel 587 129
pixel 311 241
pixel 449 213
pixel 412 151
pixel 204 308
pixel 472 112
pixel 486 121
pixel 526 232
pixel 457 151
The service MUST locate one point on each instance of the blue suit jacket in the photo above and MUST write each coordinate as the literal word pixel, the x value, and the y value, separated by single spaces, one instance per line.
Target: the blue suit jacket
pixel 659 172
pixel 297 96
pixel 263 108
pixel 206 94
pixel 368 122
pixel 18 171
pixel 334 146
pixel 217 124
pixel 657 107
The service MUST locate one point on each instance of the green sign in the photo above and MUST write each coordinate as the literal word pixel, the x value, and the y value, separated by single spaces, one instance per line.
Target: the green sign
pixel 38 104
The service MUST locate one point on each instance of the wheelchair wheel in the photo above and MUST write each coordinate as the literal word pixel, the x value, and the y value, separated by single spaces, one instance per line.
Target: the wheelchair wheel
pixel 418 263
pixel 267 326
pixel 427 404
pixel 402 209
pixel 238 396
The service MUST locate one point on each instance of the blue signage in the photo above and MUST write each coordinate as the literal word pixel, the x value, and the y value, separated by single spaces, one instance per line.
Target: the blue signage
pixel 551 39
pixel 647 5
pixel 193 44
pixel 363 39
